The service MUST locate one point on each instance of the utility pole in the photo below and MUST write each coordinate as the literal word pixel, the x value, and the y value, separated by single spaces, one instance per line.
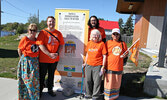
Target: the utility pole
pixel 38 16
pixel 0 18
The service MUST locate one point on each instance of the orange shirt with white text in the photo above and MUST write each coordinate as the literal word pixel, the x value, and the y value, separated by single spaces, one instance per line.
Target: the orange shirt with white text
pixel 95 53
pixel 51 43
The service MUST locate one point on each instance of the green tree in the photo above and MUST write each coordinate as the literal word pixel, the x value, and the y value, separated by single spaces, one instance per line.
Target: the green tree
pixel 10 26
pixel 20 29
pixel 7 27
pixel 121 25
pixel 26 27
pixel 15 25
pixel 101 18
pixel 42 25
pixel 3 26
pixel 129 26
pixel 33 19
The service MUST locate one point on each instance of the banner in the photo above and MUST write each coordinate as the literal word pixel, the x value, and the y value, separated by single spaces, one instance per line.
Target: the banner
pixel 72 23
pixel 134 49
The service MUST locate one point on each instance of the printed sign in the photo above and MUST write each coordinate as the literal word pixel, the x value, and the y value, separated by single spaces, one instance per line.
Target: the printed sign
pixel 72 24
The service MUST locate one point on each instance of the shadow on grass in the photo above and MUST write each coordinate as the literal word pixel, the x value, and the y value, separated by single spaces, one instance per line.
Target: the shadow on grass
pixel 5 53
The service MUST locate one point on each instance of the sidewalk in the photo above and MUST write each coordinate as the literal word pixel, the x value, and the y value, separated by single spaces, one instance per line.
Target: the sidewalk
pixel 8 91
pixel 8 88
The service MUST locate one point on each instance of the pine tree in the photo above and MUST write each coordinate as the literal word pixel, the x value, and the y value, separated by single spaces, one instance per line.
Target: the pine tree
pixel 121 25
pixel 129 26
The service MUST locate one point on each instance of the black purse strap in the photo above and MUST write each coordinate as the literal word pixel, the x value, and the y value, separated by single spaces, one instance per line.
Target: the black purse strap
pixel 53 35
pixel 122 45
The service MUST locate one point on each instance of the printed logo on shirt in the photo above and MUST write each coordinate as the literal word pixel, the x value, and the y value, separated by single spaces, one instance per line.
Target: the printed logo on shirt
pixel 34 48
pixel 116 50
pixel 52 40
pixel 92 50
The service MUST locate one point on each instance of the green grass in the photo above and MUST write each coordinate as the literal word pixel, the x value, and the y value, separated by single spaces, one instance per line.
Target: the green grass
pixel 128 44
pixel 144 61
pixel 8 56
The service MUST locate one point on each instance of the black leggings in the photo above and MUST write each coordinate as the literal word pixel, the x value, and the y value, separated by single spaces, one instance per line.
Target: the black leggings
pixel 44 68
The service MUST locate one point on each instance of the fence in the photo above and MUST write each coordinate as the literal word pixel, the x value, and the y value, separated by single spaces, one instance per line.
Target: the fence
pixel 127 39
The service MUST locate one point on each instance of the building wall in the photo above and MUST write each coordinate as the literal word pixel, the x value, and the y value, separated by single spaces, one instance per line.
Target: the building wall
pixel 154 7
pixel 154 32
pixel 142 28
pixel 108 32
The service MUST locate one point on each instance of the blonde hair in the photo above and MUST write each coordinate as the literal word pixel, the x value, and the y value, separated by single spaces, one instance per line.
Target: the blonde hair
pixel 97 33
pixel 32 26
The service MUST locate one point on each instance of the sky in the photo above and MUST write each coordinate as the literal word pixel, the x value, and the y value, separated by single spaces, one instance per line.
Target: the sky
pixel 21 10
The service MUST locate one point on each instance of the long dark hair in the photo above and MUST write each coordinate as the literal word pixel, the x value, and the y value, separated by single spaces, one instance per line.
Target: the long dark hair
pixel 97 25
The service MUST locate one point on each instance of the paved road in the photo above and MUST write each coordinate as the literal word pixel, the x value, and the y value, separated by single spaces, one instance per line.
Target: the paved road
pixel 8 91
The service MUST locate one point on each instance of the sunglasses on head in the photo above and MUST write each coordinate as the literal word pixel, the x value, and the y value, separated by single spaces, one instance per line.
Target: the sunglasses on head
pixel 115 34
pixel 32 30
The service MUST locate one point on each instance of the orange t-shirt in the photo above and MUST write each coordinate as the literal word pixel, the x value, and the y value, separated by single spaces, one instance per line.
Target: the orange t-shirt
pixel 115 50
pixel 51 43
pixel 95 53
pixel 28 47
pixel 102 32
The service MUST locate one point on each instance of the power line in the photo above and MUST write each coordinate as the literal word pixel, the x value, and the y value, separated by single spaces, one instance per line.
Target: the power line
pixel 14 14
pixel 16 7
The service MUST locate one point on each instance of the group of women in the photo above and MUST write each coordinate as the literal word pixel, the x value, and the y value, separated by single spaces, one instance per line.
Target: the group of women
pixel 104 59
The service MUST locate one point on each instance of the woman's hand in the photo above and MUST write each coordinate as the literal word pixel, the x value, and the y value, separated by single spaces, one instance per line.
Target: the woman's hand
pixel 124 56
pixel 83 65
pixel 102 71
pixel 53 55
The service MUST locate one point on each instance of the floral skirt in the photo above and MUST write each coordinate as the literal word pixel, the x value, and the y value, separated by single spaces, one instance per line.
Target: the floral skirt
pixel 28 78
pixel 112 83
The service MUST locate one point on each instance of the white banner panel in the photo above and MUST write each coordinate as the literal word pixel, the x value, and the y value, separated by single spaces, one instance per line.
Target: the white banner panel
pixel 72 24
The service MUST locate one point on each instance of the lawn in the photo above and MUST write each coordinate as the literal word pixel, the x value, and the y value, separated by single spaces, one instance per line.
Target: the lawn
pixel 8 56
pixel 133 77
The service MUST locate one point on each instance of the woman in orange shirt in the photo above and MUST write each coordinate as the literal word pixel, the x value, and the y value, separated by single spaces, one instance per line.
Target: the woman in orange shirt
pixel 114 69
pixel 28 66
pixel 95 60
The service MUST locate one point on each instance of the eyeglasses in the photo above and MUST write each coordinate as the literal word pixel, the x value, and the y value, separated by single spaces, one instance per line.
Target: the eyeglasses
pixel 115 34
pixel 92 20
pixel 32 30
